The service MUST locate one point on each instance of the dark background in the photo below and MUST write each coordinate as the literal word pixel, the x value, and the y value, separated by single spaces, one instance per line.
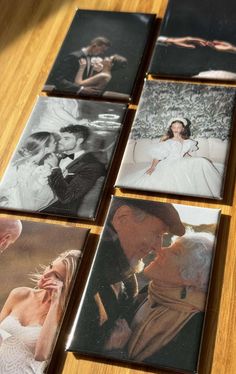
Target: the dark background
pixel 128 33
pixel 208 19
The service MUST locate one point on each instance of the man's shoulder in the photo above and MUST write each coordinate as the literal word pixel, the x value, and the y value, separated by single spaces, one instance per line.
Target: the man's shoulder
pixel 77 54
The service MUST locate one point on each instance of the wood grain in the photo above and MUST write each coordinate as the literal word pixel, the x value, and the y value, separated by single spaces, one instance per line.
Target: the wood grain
pixel 31 32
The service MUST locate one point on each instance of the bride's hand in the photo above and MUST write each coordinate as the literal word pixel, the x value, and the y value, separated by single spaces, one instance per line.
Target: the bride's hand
pixel 82 63
pixel 54 286
pixel 150 170
pixel 53 160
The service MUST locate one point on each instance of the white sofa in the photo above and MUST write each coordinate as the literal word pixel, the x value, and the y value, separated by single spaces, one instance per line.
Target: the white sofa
pixel 138 156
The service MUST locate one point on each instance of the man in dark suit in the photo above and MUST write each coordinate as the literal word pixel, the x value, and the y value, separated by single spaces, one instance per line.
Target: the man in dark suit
pixel 73 174
pixel 63 75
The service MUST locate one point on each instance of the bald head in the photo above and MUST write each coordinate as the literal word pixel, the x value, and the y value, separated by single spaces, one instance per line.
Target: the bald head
pixel 10 230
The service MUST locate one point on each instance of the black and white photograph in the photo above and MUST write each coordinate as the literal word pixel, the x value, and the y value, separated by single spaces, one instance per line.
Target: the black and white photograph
pixel 102 55
pixel 145 297
pixel 197 39
pixel 62 161
pixel 179 141
pixel 38 265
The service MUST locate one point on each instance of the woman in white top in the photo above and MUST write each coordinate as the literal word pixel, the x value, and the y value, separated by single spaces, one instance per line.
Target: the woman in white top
pixel 30 317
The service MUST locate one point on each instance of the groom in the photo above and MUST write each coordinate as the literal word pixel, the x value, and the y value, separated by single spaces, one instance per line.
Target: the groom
pixel 74 173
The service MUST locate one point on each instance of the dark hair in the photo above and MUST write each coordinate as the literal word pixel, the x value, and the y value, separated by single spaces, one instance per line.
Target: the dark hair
pixel 79 131
pixel 34 143
pixel 118 62
pixel 185 133
pixel 100 41
pixel 164 211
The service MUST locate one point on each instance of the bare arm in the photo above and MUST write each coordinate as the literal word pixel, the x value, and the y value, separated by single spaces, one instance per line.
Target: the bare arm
pixel 152 168
pixel 186 41
pixel 48 333
pixel 13 298
pixel 96 80
pixel 7 308
pixel 223 46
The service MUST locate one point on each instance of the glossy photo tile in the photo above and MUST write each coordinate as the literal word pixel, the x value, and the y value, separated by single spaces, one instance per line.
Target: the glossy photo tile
pixel 145 297
pixel 61 163
pixel 179 141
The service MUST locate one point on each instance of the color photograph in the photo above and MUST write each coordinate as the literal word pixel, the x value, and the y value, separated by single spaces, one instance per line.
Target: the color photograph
pixel 61 163
pixel 179 141
pixel 102 55
pixel 197 39
pixel 145 298
pixel 38 264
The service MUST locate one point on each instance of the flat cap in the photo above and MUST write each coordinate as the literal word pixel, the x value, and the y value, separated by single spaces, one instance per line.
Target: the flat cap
pixel 164 211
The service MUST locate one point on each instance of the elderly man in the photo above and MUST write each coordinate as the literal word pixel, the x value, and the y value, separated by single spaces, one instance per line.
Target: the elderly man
pixel 133 229
pixel 10 230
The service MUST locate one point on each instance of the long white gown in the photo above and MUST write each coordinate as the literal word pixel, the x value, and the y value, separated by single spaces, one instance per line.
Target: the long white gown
pixel 25 187
pixel 17 345
pixel 177 172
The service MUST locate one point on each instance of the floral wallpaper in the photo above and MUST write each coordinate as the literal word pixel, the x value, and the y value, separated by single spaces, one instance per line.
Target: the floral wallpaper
pixel 208 109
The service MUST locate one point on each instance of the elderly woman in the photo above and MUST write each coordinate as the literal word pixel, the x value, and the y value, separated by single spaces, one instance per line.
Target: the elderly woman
pixel 30 317
pixel 166 329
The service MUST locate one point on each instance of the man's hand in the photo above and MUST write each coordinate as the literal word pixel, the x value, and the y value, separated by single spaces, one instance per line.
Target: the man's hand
pixel 223 46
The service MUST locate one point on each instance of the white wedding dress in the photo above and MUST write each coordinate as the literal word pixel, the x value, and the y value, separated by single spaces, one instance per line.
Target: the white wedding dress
pixel 177 172
pixel 17 345
pixel 25 187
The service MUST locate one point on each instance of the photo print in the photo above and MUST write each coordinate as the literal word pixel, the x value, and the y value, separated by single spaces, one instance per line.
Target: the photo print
pixel 102 55
pixel 179 141
pixel 197 39
pixel 38 265
pixel 62 161
pixel 145 297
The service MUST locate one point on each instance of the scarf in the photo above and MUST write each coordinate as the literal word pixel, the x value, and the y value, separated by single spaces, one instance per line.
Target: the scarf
pixel 161 317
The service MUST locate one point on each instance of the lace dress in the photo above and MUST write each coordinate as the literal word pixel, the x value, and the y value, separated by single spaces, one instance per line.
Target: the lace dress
pixel 177 172
pixel 17 345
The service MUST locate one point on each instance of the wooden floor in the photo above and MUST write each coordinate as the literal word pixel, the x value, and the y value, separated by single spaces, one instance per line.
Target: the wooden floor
pixel 31 32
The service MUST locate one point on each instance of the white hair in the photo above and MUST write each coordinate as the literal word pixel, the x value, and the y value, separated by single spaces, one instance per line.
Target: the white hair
pixel 199 248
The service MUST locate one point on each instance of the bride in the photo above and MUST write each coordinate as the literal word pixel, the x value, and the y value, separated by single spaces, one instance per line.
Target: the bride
pixel 30 317
pixel 174 170
pixel 101 73
pixel 25 184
